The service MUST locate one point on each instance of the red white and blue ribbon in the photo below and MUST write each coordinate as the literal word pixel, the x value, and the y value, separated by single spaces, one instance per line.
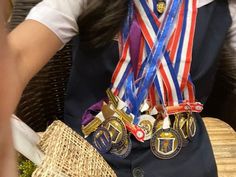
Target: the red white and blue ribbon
pixel 169 60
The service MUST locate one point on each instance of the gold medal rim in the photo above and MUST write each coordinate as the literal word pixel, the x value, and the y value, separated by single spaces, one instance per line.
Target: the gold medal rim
pixel 158 120
pixel 127 149
pixel 163 156
pixel 124 131
pixel 190 135
pixel 146 117
pixel 178 118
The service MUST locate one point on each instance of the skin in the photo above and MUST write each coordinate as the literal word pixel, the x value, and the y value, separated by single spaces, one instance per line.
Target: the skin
pixel 22 55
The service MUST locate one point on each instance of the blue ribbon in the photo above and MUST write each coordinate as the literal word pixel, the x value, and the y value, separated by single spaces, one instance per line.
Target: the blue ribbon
pixel 159 49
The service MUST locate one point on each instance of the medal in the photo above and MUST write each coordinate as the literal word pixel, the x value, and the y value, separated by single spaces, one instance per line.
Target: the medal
pixel 102 140
pixel 169 86
pixel 91 126
pixel 176 122
pixel 134 129
pixel 166 143
pixel 117 130
pixel 112 99
pixel 191 126
pixel 161 6
pixel 124 150
pixel 180 125
pixel 125 117
pixel 107 111
pixel 158 123
pixel 146 123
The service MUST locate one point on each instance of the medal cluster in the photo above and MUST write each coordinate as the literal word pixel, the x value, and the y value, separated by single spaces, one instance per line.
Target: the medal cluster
pixel 156 95
pixel 113 126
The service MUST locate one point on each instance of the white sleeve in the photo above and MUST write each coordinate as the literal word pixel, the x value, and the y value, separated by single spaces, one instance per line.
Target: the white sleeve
pixel 60 16
pixel 228 60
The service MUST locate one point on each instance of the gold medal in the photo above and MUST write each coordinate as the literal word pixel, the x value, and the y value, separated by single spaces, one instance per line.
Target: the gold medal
pixel 91 126
pixel 161 6
pixel 191 126
pixel 117 130
pixel 180 125
pixel 176 122
pixel 124 116
pixel 112 99
pixel 166 143
pixel 158 123
pixel 107 111
pixel 146 123
pixel 123 150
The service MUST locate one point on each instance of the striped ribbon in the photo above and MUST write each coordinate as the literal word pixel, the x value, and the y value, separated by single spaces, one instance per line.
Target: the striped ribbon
pixel 172 82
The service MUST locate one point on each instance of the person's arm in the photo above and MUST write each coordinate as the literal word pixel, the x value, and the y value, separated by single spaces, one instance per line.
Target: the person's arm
pixel 47 28
pixel 31 45
pixel 22 54
pixel 7 156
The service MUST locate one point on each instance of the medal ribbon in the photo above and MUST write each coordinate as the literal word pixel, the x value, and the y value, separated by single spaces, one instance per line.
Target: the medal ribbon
pixel 154 57
pixel 166 56
pixel 188 12
pixel 148 29
pixel 148 38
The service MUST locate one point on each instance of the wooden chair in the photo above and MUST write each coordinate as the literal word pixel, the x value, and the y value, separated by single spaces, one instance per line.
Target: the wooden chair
pixel 42 100
pixel 223 140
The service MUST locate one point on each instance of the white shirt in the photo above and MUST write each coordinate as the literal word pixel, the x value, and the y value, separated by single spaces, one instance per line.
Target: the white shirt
pixel 60 16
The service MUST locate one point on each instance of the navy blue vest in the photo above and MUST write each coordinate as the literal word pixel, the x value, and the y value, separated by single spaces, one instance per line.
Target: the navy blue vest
pixel 90 77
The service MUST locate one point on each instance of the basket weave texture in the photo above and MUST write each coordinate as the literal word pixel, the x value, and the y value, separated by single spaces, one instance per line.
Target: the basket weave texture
pixel 67 154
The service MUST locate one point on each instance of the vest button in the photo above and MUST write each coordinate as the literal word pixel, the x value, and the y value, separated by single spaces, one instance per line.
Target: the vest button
pixel 138 172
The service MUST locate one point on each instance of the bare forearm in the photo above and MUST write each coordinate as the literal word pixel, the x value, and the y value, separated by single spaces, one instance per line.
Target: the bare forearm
pixel 7 154
pixel 22 54
pixel 32 44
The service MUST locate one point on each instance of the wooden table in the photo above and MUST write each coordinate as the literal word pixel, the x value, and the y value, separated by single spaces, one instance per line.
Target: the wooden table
pixel 223 139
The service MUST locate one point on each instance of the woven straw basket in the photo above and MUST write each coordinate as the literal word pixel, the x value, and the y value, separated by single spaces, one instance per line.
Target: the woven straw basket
pixel 67 154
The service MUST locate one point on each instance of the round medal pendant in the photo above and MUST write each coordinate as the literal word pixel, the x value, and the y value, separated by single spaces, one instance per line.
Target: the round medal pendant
pixel 146 123
pixel 180 125
pixel 117 130
pixel 191 126
pixel 157 124
pixel 176 122
pixel 102 140
pixel 161 6
pixel 124 150
pixel 166 143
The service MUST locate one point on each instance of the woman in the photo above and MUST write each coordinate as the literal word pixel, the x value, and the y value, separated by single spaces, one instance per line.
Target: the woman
pixel 56 21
